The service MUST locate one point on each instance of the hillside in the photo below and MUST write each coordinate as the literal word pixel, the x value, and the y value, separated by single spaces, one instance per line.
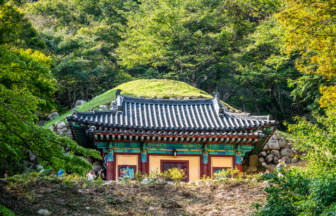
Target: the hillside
pixel 147 88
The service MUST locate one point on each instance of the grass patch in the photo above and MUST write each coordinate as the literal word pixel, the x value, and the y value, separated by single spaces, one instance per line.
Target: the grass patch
pixel 287 136
pixel 147 88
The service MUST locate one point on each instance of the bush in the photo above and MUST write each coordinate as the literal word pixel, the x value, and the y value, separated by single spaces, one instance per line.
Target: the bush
pixel 296 192
pixel 5 212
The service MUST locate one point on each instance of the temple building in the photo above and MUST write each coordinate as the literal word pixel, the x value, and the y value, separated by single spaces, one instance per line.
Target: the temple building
pixel 141 134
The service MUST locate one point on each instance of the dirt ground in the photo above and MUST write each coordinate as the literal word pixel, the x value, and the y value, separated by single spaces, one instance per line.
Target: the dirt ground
pixel 64 198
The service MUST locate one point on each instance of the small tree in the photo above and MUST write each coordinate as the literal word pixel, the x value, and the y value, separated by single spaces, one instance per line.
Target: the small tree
pixel 176 175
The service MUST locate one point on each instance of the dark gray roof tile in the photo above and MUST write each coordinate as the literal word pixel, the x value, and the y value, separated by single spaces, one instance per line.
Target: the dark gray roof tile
pixel 160 114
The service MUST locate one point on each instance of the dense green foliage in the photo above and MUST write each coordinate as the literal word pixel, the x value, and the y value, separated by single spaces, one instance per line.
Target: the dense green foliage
pixel 81 37
pixel 297 192
pixel 233 47
pixel 5 212
pixel 26 86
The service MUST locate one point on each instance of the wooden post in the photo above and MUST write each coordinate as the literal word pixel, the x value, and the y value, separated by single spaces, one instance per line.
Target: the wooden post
pixel 205 163
pixel 144 161
pixel 238 162
pixel 109 165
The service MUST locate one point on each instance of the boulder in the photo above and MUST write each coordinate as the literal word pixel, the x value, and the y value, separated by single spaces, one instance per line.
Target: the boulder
pixel 113 103
pixel 273 145
pixel 283 144
pixel 265 147
pixel 52 128
pixel 275 160
pixel 60 127
pixel 88 159
pixel 263 154
pixel 53 115
pixel 294 160
pixel 276 153
pixel 27 164
pixel 269 158
pixel 97 163
pixel 103 107
pixel 261 159
pixel 32 156
pixel 286 152
pixel 286 160
pixel 79 103
pixel 264 164
pixel 43 212
pixel 68 133
pixel 97 168
pixel 268 152
pixel 42 122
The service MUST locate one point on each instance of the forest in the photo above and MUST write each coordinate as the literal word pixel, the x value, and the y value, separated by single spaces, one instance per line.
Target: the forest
pixel 264 57
pixel 239 48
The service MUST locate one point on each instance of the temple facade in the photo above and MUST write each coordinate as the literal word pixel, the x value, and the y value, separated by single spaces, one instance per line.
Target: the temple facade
pixel 140 134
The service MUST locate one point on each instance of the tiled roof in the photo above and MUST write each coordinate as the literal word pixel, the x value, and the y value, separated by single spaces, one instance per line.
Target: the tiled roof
pixel 164 114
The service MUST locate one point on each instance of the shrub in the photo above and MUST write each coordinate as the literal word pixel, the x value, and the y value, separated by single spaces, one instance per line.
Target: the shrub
pixel 5 212
pixel 139 177
pixel 176 175
pixel 297 192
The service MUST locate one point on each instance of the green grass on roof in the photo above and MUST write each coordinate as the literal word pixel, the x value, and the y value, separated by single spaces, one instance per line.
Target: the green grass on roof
pixel 287 136
pixel 145 87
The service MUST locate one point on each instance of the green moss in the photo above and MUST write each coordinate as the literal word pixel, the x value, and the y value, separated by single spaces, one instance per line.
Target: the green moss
pixel 147 88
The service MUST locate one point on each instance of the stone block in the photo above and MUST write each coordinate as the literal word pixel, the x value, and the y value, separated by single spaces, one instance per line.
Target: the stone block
pixel 32 156
pixel 97 168
pixel 283 144
pixel 42 122
pixel 286 160
pixel 60 127
pixel 53 115
pixel 263 154
pixel 269 158
pixel 294 160
pixel 79 103
pixel 287 152
pixel 273 145
pixel 97 163
pixel 276 153
pixel 266 147
pixel 103 107
pixel 275 160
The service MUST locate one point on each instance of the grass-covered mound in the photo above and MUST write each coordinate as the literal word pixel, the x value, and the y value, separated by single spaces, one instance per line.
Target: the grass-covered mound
pixel 147 88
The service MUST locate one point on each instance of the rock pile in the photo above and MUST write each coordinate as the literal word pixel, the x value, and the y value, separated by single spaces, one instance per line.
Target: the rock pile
pixel 277 149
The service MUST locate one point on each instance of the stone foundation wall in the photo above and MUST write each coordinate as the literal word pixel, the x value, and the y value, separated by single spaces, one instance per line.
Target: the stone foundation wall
pixel 278 149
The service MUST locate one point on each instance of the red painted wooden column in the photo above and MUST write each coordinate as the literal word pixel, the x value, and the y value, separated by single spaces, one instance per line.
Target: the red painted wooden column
pixel 205 164
pixel 238 162
pixel 144 161
pixel 110 166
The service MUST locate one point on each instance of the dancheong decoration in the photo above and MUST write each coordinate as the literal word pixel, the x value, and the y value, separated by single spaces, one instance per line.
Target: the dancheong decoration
pixel 165 127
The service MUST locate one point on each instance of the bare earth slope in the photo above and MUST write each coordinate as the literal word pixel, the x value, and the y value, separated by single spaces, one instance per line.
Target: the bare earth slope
pixel 65 197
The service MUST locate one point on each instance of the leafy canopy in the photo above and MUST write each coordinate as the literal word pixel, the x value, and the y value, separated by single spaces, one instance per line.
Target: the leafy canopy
pixel 26 84
pixel 311 28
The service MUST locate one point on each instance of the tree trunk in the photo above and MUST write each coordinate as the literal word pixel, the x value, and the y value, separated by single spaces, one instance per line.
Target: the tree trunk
pixel 193 78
